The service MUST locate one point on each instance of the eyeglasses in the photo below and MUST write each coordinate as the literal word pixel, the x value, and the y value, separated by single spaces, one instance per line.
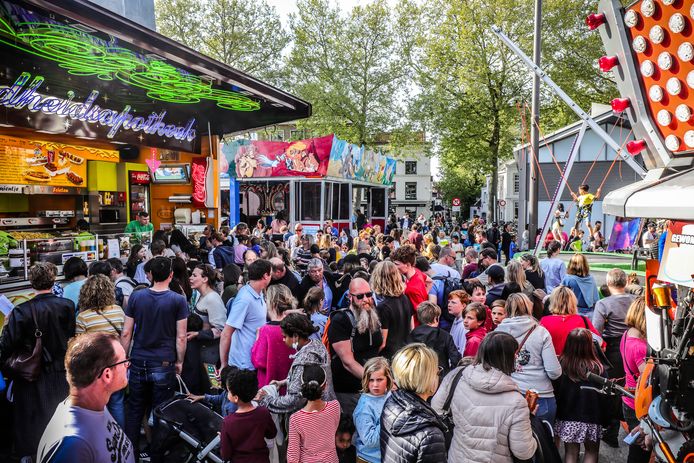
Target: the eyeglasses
pixel 126 362
pixel 362 295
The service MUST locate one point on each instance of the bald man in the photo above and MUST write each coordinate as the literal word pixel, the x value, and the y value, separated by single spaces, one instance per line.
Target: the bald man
pixel 353 346
pixel 281 275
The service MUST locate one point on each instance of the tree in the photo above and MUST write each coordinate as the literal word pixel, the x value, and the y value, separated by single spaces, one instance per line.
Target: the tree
pixel 472 84
pixel 245 35
pixel 348 67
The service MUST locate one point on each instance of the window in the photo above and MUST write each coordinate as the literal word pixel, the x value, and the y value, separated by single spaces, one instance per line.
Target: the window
pixel 410 167
pixel 515 210
pixel 516 183
pixel 411 190
pixel 310 201
pixel 392 191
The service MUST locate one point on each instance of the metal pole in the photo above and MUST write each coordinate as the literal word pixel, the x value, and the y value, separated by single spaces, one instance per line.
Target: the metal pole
pixel 560 187
pixel 594 126
pixel 534 125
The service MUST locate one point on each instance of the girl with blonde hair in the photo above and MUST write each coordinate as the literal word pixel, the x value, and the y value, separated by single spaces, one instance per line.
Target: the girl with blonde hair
pixel 394 308
pixel 377 382
pixel 564 317
pixel 516 274
pixel 634 348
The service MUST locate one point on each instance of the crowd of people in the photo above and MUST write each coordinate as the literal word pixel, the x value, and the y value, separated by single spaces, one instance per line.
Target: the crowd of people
pixel 410 344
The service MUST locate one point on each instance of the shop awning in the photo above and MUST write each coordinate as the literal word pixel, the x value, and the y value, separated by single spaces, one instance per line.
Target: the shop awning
pixel 668 197
pixel 75 68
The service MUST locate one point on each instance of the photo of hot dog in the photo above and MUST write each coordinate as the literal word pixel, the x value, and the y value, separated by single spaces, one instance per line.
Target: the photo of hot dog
pixel 35 176
pixel 73 158
pixel 74 178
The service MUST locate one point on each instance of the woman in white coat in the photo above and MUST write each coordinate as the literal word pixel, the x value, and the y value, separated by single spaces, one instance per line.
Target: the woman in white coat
pixel 491 416
pixel 536 362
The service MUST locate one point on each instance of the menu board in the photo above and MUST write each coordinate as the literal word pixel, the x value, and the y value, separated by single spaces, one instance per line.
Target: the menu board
pixel 32 162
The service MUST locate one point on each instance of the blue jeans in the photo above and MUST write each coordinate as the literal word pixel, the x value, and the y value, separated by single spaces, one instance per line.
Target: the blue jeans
pixel 151 384
pixel 546 409
pixel 116 406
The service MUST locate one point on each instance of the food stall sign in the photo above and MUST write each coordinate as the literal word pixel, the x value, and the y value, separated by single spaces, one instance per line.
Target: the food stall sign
pixel 23 93
pixel 678 254
pixel 54 190
pixel 139 178
pixel 12 188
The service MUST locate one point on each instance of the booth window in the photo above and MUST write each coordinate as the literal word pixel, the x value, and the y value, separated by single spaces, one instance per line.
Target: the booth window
pixel 378 202
pixel 391 191
pixel 310 201
pixel 411 190
pixel 345 202
pixel 410 167
pixel 328 202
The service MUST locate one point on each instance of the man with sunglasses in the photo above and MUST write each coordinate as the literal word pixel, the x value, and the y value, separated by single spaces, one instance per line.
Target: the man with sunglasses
pixel 355 337
pixel 82 429
pixel 156 324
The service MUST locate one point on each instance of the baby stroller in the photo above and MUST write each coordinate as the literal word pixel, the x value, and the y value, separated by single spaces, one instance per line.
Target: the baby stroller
pixel 188 431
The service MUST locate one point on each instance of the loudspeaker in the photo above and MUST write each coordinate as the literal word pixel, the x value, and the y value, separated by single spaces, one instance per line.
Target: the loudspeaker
pixel 129 153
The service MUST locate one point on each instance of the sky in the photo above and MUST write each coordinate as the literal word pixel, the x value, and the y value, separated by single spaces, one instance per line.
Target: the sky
pixel 286 7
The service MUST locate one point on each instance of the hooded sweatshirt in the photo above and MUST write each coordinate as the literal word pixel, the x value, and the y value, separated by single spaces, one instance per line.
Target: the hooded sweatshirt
pixel 313 353
pixel 491 416
pixel 536 363
pixel 585 289
pixel 223 256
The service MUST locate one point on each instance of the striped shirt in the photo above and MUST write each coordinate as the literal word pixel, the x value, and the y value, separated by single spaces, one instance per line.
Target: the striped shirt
pixel 90 321
pixel 312 435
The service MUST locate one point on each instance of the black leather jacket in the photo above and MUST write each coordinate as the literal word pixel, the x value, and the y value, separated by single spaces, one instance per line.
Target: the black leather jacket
pixel 56 320
pixel 411 431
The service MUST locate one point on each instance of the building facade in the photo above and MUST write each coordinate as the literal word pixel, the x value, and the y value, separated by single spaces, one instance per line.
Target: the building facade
pixel 412 186
pixel 595 166
pixel 508 189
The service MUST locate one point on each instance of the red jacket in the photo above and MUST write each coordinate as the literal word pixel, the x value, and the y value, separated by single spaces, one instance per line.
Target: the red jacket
pixel 559 327
pixel 473 339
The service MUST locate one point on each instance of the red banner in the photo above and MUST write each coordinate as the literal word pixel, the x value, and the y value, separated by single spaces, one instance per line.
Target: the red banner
pixel 304 158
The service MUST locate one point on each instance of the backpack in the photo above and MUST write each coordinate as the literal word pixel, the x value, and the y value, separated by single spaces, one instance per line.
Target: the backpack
pixel 450 284
pixel 120 297
pixel 353 321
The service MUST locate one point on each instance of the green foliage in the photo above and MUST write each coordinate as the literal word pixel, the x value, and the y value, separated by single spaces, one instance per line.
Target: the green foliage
pixel 245 35
pixel 348 67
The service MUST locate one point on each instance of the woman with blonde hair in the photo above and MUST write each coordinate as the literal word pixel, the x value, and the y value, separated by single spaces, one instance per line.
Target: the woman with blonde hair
pixel 394 308
pixel 634 348
pixel 99 312
pixel 536 361
pixel 564 318
pixel 582 283
pixel 516 274
pixel 270 354
pixel 411 431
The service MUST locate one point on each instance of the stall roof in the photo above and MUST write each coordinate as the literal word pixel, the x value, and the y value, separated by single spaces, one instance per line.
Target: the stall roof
pixel 77 46
pixel 668 197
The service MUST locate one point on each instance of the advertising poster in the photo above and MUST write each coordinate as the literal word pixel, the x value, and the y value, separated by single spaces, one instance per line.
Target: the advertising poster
pixel 677 264
pixel 32 162
pixel 355 162
pixel 625 232
pixel 258 159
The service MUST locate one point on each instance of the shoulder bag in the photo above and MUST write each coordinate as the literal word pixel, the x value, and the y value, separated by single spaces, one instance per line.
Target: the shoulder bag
pixel 447 416
pixel 28 365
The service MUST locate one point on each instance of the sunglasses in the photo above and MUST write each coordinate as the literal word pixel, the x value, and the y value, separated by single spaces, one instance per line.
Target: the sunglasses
pixel 113 365
pixel 362 295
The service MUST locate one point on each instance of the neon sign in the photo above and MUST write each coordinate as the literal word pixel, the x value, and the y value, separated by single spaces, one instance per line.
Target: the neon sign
pixel 13 97
pixel 83 54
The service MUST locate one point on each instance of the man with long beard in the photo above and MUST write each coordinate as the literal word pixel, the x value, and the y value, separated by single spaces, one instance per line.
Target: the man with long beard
pixel 355 337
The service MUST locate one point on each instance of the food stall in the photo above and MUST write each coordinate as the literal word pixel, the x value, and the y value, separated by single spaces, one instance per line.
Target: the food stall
pixel 103 118
pixel 313 180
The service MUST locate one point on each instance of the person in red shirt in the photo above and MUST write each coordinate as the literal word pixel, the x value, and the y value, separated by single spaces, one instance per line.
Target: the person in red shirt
pixel 565 318
pixel 415 281
pixel 473 321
